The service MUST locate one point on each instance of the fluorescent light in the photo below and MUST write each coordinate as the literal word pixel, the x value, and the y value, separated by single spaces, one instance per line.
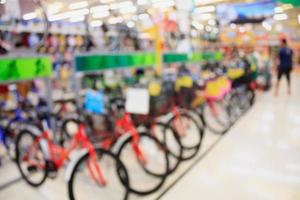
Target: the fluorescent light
pixel 99 9
pixel 54 8
pixel 69 14
pixel 163 4
pixel 78 18
pixel 126 10
pixel 278 9
pixel 96 23
pixel 121 5
pixel 2 1
pixel 206 9
pixel 29 16
pixel 115 20
pixel 78 5
pixel 280 17
pixel 130 24
pixel 197 25
pixel 106 1
pixel 204 2
pixel 101 14
pixel 142 2
pixel 267 26
pixel 205 16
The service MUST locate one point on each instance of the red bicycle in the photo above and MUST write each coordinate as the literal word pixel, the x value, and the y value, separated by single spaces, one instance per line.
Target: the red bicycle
pixel 144 156
pixel 38 157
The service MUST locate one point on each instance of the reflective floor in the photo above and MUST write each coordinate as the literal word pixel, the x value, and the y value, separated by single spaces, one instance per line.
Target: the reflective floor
pixel 258 159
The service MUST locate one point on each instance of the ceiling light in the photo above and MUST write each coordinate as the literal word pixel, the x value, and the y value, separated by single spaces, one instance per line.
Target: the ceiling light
pixel 206 9
pixel 54 8
pixel 78 18
pixel 98 9
pixel 278 10
pixel 163 4
pixel 106 1
pixel 126 10
pixel 78 5
pixel 142 2
pixel 197 25
pixel 267 26
pixel 280 17
pixel 130 24
pixel 29 16
pixel 2 1
pixel 115 20
pixel 121 5
pixel 96 23
pixel 101 14
pixel 205 16
pixel 69 14
pixel 204 2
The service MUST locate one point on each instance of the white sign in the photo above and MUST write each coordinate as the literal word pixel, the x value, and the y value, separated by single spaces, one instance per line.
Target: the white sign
pixel 137 101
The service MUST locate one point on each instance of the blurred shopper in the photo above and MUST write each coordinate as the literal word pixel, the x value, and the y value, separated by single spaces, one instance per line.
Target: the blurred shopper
pixel 285 65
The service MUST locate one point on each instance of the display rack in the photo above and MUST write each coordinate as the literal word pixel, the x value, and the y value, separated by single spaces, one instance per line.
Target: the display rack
pixel 20 69
pixel 93 63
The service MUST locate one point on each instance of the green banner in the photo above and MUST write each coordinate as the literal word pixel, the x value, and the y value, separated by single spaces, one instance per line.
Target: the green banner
pixel 86 63
pixel 175 57
pixel 18 69
pixel 295 3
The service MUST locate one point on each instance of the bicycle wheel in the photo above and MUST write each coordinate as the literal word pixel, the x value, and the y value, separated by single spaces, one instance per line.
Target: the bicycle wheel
pixel 170 138
pixel 30 159
pixel 190 134
pixel 216 116
pixel 87 183
pixel 146 160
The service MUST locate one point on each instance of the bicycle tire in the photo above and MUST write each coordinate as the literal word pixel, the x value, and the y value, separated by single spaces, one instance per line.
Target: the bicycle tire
pixel 18 154
pixel 120 169
pixel 160 177
pixel 169 131
pixel 211 125
pixel 199 136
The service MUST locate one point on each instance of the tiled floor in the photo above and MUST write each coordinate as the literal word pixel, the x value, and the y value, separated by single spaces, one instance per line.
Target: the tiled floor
pixel 258 159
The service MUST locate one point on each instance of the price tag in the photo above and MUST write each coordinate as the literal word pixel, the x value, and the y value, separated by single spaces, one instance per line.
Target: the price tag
pixel 94 102
pixel 137 101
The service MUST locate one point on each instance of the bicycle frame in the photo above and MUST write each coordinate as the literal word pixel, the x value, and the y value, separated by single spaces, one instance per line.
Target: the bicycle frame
pixel 58 155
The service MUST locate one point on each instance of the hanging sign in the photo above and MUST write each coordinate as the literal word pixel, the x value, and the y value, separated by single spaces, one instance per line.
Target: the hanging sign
pixel 18 69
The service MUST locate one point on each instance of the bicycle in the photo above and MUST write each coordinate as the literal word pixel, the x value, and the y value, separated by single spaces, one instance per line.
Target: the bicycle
pixel 41 155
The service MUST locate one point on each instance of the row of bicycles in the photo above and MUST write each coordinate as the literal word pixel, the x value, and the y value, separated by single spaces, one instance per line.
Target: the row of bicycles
pixel 127 138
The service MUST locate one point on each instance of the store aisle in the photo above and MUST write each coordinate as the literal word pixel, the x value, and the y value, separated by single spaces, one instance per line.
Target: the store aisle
pixel 257 159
